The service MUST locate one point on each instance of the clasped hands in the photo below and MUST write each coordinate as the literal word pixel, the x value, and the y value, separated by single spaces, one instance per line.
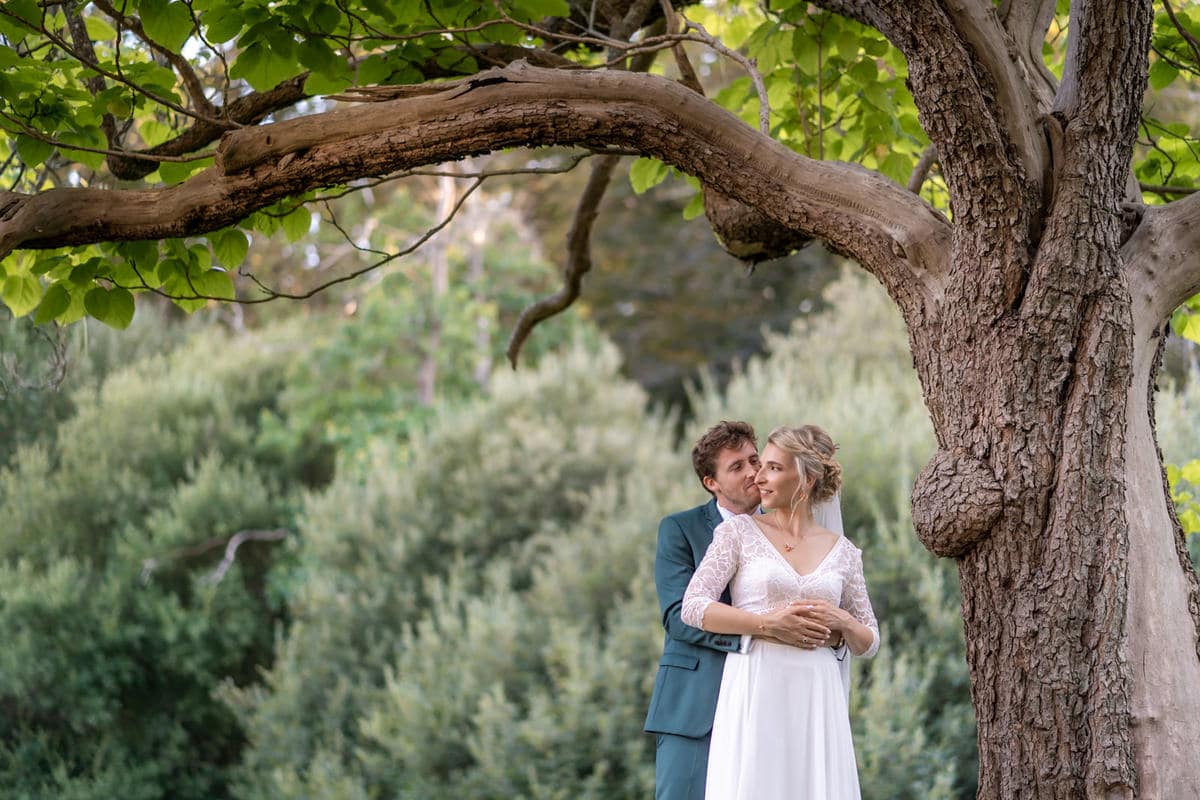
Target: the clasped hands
pixel 807 624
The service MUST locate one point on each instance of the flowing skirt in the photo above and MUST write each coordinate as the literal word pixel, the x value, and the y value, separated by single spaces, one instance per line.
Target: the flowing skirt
pixel 782 728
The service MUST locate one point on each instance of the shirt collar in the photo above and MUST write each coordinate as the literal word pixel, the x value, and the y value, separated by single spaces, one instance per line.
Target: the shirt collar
pixel 726 514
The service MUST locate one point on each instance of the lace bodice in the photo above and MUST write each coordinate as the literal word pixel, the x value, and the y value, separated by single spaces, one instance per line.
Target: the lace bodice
pixel 760 579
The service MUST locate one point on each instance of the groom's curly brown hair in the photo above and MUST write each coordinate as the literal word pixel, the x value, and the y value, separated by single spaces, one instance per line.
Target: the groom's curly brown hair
pixel 720 436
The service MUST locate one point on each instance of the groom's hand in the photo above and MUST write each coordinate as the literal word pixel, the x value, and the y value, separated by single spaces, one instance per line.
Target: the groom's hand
pixel 791 626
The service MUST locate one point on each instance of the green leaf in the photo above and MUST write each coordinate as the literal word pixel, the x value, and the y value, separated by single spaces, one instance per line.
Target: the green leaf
pixel 318 56
pixel 182 292
pixel 646 173
pixel 179 171
pixel 214 283
pixel 56 301
pixel 169 24
pixel 21 293
pixel 372 70
pixel 224 25
pixel 695 207
pixel 28 10
pixel 33 151
pixel 1191 328
pixel 297 224
pixel 897 166
pixel 864 72
pixel 261 68
pixel 113 307
pixel 83 274
pixel 1162 74
pixel 325 18
pixel 99 30
pixel 96 302
pixel 330 82
pixel 540 9
pixel 229 246
pixel 1190 472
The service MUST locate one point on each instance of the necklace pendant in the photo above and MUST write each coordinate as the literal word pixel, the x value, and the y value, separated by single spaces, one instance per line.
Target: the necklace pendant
pixel 788 547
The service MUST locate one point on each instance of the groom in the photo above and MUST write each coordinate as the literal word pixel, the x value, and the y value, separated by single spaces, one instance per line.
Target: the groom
pixel 689 673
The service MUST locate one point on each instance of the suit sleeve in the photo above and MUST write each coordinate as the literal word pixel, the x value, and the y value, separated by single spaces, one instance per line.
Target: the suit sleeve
pixel 673 570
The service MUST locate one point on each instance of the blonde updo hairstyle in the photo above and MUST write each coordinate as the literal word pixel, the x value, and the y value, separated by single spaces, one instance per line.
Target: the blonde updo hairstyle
pixel 812 450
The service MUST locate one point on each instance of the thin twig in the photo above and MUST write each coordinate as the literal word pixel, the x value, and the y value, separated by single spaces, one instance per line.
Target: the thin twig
pixel 1155 188
pixel 34 133
pixel 579 259
pixel 749 64
pixel 1184 32
pixel 231 549
pixel 182 66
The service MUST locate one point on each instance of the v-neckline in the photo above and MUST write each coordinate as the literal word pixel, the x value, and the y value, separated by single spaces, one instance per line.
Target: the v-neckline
pixel 789 564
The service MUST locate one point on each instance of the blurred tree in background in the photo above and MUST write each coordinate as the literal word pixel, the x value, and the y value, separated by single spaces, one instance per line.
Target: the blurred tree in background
pixel 463 603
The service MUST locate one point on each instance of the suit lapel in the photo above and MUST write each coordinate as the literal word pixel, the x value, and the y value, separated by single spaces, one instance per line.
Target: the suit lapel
pixel 712 518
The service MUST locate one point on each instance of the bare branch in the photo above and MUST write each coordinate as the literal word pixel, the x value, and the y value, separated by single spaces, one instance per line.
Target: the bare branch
pixel 231 544
pixel 1162 258
pixel 234 543
pixel 1155 188
pixel 579 258
pixel 921 170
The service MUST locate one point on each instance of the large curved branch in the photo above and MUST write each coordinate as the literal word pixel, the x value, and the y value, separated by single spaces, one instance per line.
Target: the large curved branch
pixel 892 233
pixel 1162 259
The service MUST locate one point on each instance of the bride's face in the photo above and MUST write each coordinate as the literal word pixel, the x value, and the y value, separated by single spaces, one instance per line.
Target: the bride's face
pixel 778 479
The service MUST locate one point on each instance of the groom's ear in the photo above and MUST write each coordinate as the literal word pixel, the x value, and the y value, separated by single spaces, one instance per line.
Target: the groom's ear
pixel 710 483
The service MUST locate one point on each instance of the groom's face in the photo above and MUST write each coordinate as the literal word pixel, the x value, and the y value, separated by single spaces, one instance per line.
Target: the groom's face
pixel 733 480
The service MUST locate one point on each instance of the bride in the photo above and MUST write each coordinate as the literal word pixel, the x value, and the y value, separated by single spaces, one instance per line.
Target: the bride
pixel 782 726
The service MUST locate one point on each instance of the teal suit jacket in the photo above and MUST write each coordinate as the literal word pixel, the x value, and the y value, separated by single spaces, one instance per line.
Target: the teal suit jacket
pixel 689 673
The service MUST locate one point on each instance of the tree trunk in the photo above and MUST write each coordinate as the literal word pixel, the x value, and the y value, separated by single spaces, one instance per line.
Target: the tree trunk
pixel 1080 605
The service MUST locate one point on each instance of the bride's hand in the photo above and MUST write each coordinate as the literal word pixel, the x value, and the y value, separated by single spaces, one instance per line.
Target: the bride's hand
pixel 788 626
pixel 822 612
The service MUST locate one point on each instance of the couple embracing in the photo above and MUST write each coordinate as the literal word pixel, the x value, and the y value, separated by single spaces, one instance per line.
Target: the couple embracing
pixel 762 599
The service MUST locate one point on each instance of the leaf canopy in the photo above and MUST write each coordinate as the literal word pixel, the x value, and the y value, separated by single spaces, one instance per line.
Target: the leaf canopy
pixel 85 88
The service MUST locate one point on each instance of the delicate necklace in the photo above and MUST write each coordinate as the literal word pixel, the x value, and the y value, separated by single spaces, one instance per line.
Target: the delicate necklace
pixel 787 545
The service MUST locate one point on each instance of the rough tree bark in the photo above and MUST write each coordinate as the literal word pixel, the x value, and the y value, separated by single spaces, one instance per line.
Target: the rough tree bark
pixel 1035 319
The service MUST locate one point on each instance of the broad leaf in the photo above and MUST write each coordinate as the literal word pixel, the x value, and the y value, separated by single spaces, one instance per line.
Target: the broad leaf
pixel 214 283
pixel 229 246
pixel 646 173
pixel 56 301
pixel 22 293
pixel 297 224
pixel 169 24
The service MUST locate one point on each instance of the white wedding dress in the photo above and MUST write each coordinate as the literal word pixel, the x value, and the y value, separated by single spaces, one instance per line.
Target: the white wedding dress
pixel 782 727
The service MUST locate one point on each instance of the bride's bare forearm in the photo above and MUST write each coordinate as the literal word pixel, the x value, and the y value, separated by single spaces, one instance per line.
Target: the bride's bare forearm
pixel 722 618
pixel 859 637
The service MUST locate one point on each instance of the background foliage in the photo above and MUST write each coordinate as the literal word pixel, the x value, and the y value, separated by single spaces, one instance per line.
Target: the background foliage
pixel 462 606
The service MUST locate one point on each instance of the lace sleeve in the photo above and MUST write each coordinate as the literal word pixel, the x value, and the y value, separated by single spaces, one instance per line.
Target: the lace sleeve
pixel 719 564
pixel 856 601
